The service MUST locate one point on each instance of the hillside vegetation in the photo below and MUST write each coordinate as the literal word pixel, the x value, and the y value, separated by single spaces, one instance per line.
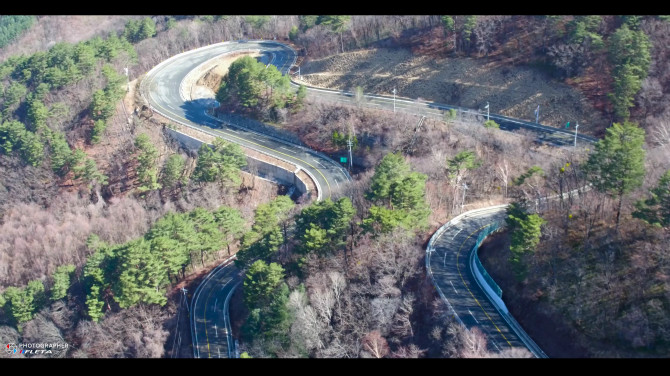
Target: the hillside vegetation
pixel 103 218
pixel 11 27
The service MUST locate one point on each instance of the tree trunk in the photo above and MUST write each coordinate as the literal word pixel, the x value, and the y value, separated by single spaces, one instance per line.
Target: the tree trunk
pixel 618 211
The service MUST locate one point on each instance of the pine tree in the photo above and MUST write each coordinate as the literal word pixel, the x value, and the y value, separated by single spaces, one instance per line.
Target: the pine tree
pixel 293 33
pixel 61 155
pixel 37 115
pixel 265 236
pixel 448 23
pixel 402 190
pixel 390 169
pixel 22 303
pixel 98 129
pixel 147 29
pixel 173 170
pixel 61 281
pixel 231 224
pixel 31 148
pixel 131 31
pixel 141 275
pixel 300 96
pixel 147 173
pixel 209 238
pixel 278 318
pixel 617 166
pixel 463 161
pixel 630 55
pixel 91 173
pixel 96 274
pixel 173 237
pixel 221 162
pixel 525 231
pixel 383 220
pixel 101 106
pixel 338 24
pixel 94 303
pixel 656 209
pixel 260 281
pixel 84 56
pixel 314 239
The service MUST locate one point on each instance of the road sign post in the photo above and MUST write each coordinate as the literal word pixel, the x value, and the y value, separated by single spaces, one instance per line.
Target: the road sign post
pixel 393 99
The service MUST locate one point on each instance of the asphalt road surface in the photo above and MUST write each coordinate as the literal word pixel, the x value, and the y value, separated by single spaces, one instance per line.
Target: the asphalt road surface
pixel 162 88
pixel 212 337
pixel 210 327
pixel 451 265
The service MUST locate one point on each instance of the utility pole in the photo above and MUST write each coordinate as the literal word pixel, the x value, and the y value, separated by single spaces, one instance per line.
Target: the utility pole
pixel 465 186
pixel 576 127
pixel 183 290
pixel 487 111
pixel 394 99
pixel 125 70
pixel 351 161
pixel 537 114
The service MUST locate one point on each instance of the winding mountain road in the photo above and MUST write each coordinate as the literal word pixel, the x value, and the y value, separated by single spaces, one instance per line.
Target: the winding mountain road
pixel 450 263
pixel 163 90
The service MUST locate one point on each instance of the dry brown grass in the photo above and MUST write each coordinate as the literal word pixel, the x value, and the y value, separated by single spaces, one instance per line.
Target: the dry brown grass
pixel 468 82
pixel 49 30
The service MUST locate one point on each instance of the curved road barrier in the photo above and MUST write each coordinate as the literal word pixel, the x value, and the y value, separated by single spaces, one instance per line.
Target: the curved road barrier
pixel 450 262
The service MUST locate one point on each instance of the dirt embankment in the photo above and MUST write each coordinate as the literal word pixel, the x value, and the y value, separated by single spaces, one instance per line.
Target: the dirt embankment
pixel 514 91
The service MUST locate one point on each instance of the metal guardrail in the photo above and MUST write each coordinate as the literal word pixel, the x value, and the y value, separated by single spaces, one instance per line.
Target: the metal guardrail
pixel 495 300
pixel 431 248
pixel 486 277
pixel 478 264
pixel 316 183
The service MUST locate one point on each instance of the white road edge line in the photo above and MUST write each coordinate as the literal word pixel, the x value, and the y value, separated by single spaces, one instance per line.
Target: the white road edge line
pixel 473 316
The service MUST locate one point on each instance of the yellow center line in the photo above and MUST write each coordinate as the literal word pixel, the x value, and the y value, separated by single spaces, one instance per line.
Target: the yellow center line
pixel 468 288
pixel 240 138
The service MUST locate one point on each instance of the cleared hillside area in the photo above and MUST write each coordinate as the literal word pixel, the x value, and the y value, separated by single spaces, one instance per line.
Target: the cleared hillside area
pixel 514 91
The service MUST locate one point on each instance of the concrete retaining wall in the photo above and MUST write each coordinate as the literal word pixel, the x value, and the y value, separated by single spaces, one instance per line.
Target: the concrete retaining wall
pixel 254 166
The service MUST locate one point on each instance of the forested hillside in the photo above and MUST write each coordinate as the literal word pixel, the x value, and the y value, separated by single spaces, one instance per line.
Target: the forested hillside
pixel 103 217
pixel 11 27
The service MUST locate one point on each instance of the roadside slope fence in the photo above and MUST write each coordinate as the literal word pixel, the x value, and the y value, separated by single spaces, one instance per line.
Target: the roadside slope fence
pixel 495 227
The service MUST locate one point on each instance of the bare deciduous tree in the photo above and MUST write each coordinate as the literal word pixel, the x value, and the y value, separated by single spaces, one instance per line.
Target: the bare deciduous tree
pixel 375 345
pixel 474 342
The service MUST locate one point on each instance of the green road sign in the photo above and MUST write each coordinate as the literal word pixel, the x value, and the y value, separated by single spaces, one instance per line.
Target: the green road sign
pixel 343 159
pixel 567 125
